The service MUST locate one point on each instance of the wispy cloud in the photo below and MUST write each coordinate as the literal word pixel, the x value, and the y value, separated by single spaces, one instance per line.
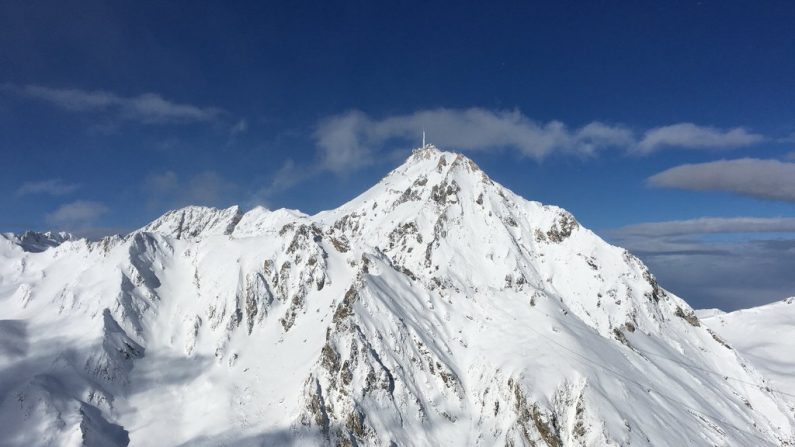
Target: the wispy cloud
pixel 288 175
pixel 208 188
pixel 766 179
pixel 77 214
pixel 147 108
pixel 237 129
pixel 353 139
pixel 349 140
pixel 52 187
pixel 691 136
pixel 710 225
pixel 240 127
pixel 788 139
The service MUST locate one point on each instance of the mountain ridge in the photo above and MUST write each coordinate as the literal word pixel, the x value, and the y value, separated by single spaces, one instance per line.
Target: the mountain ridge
pixel 437 307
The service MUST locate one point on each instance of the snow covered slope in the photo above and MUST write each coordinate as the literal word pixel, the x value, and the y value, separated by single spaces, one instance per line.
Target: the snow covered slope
pixel 437 308
pixel 765 335
pixel 35 241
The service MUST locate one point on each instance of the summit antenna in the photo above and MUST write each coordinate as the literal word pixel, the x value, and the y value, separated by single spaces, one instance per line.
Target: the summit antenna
pixel 423 137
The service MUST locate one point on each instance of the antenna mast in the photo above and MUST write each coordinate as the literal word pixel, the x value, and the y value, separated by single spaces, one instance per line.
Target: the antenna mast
pixel 423 137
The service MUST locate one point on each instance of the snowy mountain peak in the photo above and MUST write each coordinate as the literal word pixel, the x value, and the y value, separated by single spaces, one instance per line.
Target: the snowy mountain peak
pixel 34 241
pixel 437 308
pixel 425 151
pixel 429 175
pixel 428 159
pixel 196 221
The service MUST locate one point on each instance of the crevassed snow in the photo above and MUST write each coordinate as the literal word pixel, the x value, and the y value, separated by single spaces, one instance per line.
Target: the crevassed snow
pixel 437 308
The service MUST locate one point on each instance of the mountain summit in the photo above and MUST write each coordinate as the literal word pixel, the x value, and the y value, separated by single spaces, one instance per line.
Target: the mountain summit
pixel 437 308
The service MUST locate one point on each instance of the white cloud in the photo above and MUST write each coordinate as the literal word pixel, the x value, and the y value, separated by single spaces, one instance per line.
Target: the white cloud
pixel 691 136
pixel 344 142
pixel 77 214
pixel 350 140
pixel 353 140
pixel 53 187
pixel 152 108
pixel 766 179
pixel 148 108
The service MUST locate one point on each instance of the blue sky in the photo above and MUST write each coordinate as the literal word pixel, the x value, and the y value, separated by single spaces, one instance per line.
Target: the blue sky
pixel 667 127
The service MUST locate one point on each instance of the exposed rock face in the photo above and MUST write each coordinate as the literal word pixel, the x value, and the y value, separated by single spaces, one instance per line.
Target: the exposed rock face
pixel 195 221
pixel 36 242
pixel 437 308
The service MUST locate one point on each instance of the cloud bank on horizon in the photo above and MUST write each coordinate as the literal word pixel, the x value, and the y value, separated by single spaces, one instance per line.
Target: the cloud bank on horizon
pixel 710 254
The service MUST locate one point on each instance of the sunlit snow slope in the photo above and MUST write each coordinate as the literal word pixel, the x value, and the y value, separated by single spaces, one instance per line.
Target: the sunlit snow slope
pixel 765 335
pixel 437 308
